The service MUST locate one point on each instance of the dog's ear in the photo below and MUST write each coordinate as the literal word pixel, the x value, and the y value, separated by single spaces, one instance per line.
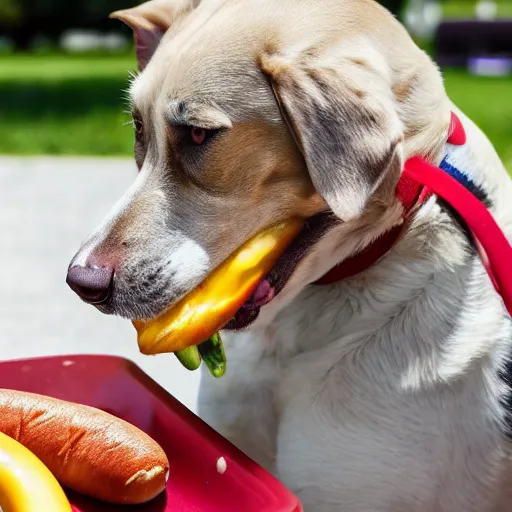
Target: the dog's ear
pixel 342 115
pixel 149 22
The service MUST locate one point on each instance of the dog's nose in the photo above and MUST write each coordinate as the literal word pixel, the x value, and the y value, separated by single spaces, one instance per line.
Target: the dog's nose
pixel 92 284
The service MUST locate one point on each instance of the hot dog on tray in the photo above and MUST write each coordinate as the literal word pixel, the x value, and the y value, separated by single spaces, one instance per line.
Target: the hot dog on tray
pixel 87 450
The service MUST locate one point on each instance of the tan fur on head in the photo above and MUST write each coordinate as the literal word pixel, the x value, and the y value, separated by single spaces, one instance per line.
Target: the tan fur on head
pixel 343 119
pixel 149 22
pixel 347 82
pixel 154 13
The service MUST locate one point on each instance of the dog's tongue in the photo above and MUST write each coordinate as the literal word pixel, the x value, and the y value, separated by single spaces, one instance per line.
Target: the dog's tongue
pixel 214 302
pixel 263 294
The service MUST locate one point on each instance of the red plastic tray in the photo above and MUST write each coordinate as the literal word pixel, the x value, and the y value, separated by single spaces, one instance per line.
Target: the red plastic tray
pixel 118 386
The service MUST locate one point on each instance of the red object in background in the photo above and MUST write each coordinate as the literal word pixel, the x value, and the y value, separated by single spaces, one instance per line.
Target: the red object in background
pixel 119 387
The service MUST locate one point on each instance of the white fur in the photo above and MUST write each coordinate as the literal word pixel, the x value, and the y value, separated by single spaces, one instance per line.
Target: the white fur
pixel 183 264
pixel 381 393
pixel 103 230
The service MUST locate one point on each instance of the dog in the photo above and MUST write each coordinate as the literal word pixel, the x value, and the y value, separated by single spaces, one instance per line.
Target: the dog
pixel 385 391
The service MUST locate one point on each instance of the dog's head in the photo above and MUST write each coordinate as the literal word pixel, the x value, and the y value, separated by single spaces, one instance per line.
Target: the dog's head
pixel 247 113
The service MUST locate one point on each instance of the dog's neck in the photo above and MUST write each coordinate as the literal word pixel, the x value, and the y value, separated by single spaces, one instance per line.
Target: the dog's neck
pixel 411 301
pixel 412 194
pixel 418 290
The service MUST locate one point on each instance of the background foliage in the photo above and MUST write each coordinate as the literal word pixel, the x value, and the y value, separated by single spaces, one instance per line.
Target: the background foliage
pixel 53 102
pixel 21 19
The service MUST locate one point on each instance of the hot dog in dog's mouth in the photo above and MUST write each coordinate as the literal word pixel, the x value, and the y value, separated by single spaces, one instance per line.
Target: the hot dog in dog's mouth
pixel 231 296
pixel 238 281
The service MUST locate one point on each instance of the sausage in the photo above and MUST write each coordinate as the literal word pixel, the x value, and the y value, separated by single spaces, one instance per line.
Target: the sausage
pixel 87 450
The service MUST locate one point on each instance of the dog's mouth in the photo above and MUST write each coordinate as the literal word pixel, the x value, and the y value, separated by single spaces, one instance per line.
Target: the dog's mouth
pixel 232 295
pixel 275 281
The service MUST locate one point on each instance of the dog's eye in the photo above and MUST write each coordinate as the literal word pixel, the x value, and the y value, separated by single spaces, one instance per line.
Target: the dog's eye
pixel 139 146
pixel 198 135
pixel 139 128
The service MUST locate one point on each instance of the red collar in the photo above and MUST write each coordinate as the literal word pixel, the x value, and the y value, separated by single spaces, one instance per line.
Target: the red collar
pixel 412 194
pixel 418 182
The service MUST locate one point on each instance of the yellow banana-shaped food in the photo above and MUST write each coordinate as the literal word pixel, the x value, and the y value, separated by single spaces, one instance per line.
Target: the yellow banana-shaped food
pixel 214 302
pixel 26 484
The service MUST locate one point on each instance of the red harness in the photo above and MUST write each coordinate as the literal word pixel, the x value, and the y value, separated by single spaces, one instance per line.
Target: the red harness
pixel 419 181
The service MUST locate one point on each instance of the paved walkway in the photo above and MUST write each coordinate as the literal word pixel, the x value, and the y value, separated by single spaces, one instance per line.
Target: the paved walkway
pixel 47 206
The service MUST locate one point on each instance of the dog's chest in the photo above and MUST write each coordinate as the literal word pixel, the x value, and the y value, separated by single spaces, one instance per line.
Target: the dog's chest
pixel 334 410
pixel 351 419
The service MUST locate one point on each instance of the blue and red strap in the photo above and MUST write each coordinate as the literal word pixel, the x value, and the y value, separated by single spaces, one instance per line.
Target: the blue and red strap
pixel 418 182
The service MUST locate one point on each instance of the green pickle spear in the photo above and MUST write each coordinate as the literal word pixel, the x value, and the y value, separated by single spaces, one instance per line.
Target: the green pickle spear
pixel 212 353
pixel 189 357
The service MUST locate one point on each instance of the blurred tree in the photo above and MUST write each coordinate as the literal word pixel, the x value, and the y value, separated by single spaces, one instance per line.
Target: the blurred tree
pixel 22 20
pixel 10 11
pixel 395 6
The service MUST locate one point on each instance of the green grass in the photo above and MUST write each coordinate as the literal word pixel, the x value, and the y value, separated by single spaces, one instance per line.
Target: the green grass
pixel 466 9
pixel 488 101
pixel 58 104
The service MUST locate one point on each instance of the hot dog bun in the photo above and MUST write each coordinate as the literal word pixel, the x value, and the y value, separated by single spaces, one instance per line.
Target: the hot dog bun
pixel 87 450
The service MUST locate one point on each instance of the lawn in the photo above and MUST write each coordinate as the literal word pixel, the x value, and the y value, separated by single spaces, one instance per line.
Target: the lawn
pixel 466 8
pixel 59 104
pixel 74 105
pixel 488 101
